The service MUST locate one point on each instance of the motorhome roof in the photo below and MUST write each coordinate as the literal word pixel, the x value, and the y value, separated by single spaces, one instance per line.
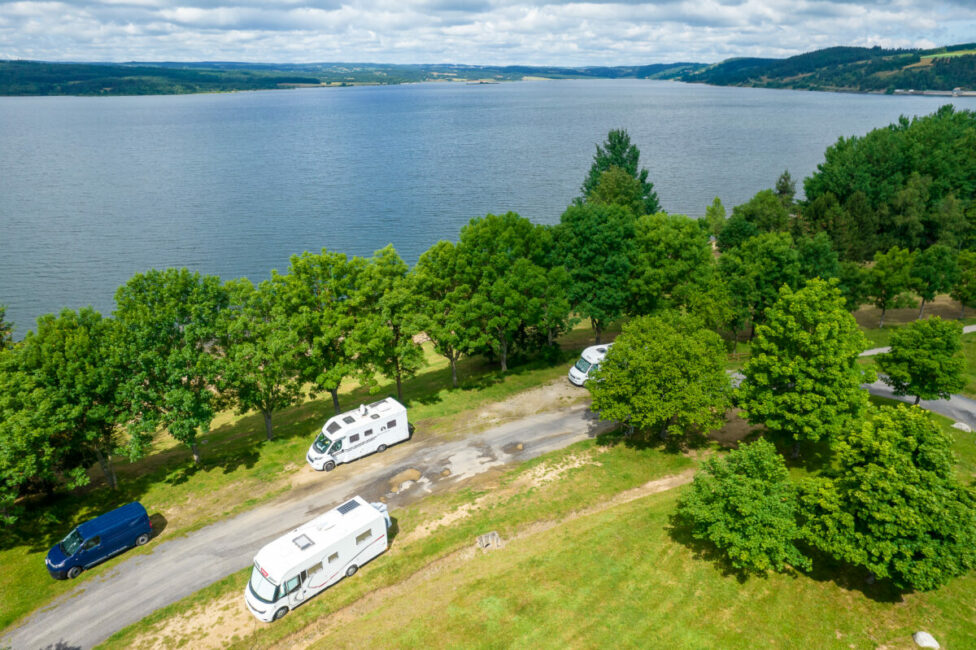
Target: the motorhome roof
pixel 311 538
pixel 596 353
pixel 365 413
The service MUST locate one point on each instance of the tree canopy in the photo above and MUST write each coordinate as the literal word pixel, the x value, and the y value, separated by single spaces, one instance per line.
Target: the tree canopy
pixel 925 359
pixel 618 151
pixel 664 375
pixel 892 505
pixel 802 379
pixel 746 506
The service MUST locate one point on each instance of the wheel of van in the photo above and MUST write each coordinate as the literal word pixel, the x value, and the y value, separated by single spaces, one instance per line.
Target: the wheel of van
pixel 142 539
pixel 74 572
pixel 381 448
pixel 351 571
pixel 281 612
pixel 329 466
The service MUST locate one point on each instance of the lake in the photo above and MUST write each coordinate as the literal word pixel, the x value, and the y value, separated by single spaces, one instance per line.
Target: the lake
pixel 93 190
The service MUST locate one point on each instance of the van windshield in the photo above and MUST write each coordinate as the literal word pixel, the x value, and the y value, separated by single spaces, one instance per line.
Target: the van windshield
pixel 321 443
pixel 582 365
pixel 261 587
pixel 71 543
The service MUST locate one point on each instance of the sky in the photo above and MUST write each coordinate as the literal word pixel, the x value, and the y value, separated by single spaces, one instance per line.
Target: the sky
pixel 485 32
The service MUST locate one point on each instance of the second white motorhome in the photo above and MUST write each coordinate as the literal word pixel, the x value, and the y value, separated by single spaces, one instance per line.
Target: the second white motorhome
pixel 353 434
pixel 315 556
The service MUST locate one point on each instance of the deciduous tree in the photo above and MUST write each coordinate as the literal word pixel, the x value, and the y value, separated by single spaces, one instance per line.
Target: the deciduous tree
pixel 765 211
pixel 802 379
pixel 715 217
pixel 618 187
pixel 665 375
pixel 890 279
pixel 934 271
pixel 669 250
pixel 925 359
pixel 965 288
pixel 757 269
pixel 6 329
pixel 893 504
pixel 746 506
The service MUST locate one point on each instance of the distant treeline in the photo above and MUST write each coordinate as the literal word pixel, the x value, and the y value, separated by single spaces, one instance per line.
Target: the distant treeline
pixel 837 68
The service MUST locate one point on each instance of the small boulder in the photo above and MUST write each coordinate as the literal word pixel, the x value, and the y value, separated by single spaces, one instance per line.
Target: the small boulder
pixel 925 640
pixel 962 426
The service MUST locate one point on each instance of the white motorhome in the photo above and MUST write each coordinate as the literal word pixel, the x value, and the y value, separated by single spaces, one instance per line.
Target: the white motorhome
pixel 314 556
pixel 588 362
pixel 353 434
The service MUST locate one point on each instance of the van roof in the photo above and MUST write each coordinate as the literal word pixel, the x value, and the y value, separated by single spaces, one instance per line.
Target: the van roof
pixel 335 425
pixel 110 519
pixel 596 353
pixel 312 538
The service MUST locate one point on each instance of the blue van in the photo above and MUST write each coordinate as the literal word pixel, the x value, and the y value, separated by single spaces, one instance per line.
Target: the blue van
pixel 99 539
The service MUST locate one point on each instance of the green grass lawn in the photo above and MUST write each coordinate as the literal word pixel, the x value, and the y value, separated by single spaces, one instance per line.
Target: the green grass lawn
pixel 236 460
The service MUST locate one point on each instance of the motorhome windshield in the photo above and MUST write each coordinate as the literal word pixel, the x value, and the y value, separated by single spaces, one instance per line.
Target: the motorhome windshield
pixel 321 443
pixel 71 543
pixel 582 365
pixel 262 588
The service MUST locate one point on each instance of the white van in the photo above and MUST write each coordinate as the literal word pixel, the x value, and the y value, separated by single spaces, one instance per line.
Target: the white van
pixel 314 556
pixel 588 362
pixel 353 434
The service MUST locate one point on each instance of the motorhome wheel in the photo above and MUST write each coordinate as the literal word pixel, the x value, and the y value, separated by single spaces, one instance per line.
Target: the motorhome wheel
pixel 329 466
pixel 142 539
pixel 281 612
pixel 351 571
pixel 381 448
pixel 74 572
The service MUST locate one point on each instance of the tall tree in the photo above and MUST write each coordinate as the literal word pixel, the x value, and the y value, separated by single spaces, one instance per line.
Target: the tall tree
pixel 736 230
pixel 890 279
pixel 665 375
pixel 441 292
pixel 964 289
pixel 618 151
pixel 169 321
pixel 817 257
pixel 6 329
pixel 618 187
pixel 387 320
pixel 802 379
pixel 925 359
pixel 765 211
pixel 317 292
pixel 892 503
pixel 934 271
pixel 786 189
pixel 70 359
pixel 853 284
pixel 260 366
pixel 746 506
pixel 757 269
pixel 715 217
pixel 669 250
pixel 599 239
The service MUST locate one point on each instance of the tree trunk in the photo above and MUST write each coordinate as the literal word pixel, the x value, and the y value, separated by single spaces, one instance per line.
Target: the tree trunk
pixel 663 433
pixel 962 310
pixel 597 328
pixel 107 469
pixel 267 423
pixel 196 452
pixel 335 399
pixel 504 355
pixel 454 381
pixel 796 450
pixel 399 379
pixel 881 324
pixel 921 309
pixel 918 398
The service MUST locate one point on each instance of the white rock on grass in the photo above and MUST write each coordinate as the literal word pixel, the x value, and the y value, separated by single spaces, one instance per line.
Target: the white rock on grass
pixel 962 426
pixel 925 640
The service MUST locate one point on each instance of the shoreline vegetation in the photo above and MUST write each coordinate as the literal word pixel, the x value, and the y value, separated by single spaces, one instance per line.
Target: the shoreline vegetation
pixel 949 70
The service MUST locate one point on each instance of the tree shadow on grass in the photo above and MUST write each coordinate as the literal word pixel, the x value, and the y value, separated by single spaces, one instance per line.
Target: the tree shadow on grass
pixel 640 441
pixel 679 531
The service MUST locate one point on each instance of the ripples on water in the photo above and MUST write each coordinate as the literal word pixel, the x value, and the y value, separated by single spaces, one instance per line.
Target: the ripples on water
pixel 93 190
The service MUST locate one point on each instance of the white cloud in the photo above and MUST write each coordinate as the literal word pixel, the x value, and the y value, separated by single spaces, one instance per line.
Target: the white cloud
pixel 543 32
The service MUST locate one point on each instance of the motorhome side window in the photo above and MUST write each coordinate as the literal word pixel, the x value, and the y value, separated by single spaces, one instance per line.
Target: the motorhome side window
pixel 362 537
pixel 368 432
pixel 354 438
pixel 333 558
pixel 391 424
pixel 93 542
pixel 292 585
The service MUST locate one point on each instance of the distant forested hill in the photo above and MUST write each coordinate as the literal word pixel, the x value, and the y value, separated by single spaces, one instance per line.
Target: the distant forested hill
pixel 41 78
pixel 850 68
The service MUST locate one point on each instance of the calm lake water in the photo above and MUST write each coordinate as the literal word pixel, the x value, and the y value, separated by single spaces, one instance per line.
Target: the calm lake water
pixel 93 190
